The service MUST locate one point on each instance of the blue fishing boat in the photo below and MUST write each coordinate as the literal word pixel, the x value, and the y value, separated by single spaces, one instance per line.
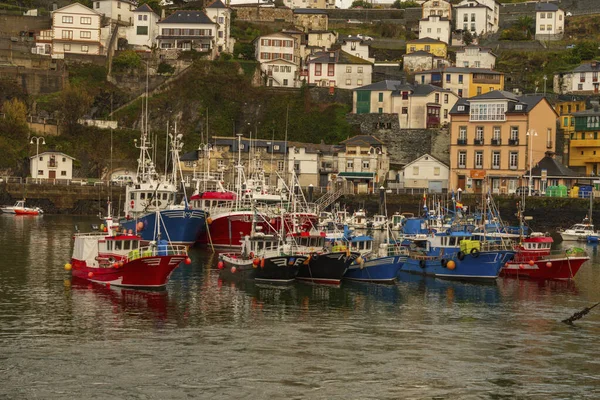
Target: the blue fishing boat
pixel 382 269
pixel 454 254
pixel 150 192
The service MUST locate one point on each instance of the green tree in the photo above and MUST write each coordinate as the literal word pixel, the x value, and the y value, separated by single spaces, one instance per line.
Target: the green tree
pixel 15 112
pixel 361 4
pixel 467 37
pixel 127 59
pixel 586 50
pixel 405 4
pixel 73 103
pixel 525 24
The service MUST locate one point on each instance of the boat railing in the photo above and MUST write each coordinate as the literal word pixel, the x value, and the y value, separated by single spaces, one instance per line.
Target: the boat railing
pixel 392 250
pixel 417 255
pixel 569 253
pixel 496 246
pixel 90 234
pixel 157 250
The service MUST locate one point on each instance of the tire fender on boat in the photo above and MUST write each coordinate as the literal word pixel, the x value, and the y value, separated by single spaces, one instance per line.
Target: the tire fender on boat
pixel 475 253
pixel 444 262
pixel 460 255
pixel 422 263
pixel 314 256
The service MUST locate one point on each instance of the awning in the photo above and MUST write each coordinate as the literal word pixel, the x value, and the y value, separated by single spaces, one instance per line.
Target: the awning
pixel 357 175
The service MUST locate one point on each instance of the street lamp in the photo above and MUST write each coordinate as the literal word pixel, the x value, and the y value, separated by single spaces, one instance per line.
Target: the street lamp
pixel 531 134
pixel 37 150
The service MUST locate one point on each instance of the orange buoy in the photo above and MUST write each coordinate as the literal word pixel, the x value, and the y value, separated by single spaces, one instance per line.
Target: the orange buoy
pixel 120 264
pixel 548 264
pixel 90 274
pixel 115 265
pixel 209 220
pixel 220 265
pixel 506 265
pixel 140 226
pixel 188 261
pixel 262 262
pixel 451 265
pixel 531 262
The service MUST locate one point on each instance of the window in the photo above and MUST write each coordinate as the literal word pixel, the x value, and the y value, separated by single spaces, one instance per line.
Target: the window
pixel 542 27
pixel 348 82
pixel 97 4
pixel 445 99
pixel 348 70
pixel 359 70
pixel 472 27
pixel 518 107
pixel 479 135
pixel 478 90
pixel 445 113
pixel 85 48
pixel 514 160
pixel 64 159
pixel 487 112
pixel 330 69
pixel 280 166
pixel 462 159
pixel 285 82
pixel 436 171
pixel 428 30
pixel 85 34
pixel 415 170
pixel 318 69
pixel 580 87
pixel 350 164
pixel 380 97
pixel 473 17
pixel 565 121
pixel 496 160
pixel 437 98
pixel 427 48
pixel 67 34
pixel 365 164
pixel 67 47
pixel 380 110
pixel 466 18
pixel 67 20
pixel 118 4
pixel 276 147
pixel 479 159
pixel 140 17
pixel 405 110
pixel 496 135
pixel 85 20
pixel 63 173
pixel 40 172
pixel 460 79
pixel 222 20
pixel 542 15
pixel 359 82
pixel 404 95
pixel 220 34
pixel 460 94
pixel 548 27
pixel 514 133
pixel 477 64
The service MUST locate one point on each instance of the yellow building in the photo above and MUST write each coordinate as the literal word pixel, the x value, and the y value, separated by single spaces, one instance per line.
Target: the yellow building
pixel 433 46
pixel 565 107
pixel 584 143
pixel 465 82
pixel 494 136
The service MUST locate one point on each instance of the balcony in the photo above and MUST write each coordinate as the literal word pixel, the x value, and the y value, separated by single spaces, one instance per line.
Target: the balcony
pixel 585 143
pixel 486 79
pixel 52 164
pixel 462 166
pixel 513 167
pixel 495 167
pixel 478 166
pixel 513 142
pixel 461 142
pixel 496 142
pixel 478 142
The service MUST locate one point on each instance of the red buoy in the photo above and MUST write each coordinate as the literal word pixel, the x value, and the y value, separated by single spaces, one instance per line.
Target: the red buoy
pixel 115 265
pixel 233 269
pixel 531 262
pixel 188 261
pixel 548 264
pixel 521 266
pixel 90 274
pixel 220 265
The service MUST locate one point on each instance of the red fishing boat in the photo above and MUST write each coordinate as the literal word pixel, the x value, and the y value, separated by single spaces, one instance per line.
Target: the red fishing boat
pixel 20 209
pixel 119 259
pixel 535 259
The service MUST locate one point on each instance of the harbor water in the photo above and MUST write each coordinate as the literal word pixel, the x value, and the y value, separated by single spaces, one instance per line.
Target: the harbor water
pixel 208 338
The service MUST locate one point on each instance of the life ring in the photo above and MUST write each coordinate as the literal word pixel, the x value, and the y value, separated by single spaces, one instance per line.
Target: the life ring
pixel 314 256
pixel 111 260
pixel 444 262
pixel 460 255
pixel 474 253
pixel 422 264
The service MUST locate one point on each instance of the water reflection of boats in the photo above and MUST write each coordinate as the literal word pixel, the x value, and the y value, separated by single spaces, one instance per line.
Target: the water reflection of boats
pixel 479 291
pixel 154 303
pixel 533 289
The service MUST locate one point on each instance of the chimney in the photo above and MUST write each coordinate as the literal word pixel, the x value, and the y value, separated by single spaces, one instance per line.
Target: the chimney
pixel 162 14
pixel 595 105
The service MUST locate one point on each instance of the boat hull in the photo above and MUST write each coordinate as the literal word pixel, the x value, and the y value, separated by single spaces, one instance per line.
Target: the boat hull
pixel 383 269
pixel 227 231
pixel 485 266
pixel 180 226
pixel 145 272
pixel 550 269
pixel 326 268
pixel 279 269
pixel 26 212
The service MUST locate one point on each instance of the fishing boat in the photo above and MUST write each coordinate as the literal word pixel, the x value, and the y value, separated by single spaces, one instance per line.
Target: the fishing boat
pixel 264 258
pixel 578 231
pixel 381 269
pixel 358 220
pixel 151 196
pixel 20 209
pixel 121 259
pixel 535 259
pixel 379 222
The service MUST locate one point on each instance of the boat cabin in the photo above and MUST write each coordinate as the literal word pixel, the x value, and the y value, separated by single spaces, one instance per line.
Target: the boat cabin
pixel 144 198
pixel 361 244
pixel 582 228
pixel 260 244
pixel 208 201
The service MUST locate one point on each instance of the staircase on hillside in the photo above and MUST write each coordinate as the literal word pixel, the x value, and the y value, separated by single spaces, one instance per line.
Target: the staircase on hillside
pixel 336 191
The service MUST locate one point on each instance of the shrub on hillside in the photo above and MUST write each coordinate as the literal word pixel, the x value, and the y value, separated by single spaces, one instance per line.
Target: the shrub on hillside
pixel 405 4
pixel 165 69
pixel 128 59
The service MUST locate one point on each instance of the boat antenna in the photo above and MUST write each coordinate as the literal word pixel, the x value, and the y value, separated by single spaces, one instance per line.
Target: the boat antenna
pixel 579 314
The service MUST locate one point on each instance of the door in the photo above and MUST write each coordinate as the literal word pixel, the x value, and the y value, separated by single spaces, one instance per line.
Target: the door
pixel 496 185
pixel 461 182
pixel 51 174
pixel 477 185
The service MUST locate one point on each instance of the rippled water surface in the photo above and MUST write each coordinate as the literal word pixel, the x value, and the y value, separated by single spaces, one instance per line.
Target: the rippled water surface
pixel 205 338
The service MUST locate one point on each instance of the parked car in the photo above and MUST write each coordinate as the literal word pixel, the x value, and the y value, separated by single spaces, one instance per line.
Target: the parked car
pixel 524 190
pixel 121 180
pixel 570 46
pixel 353 21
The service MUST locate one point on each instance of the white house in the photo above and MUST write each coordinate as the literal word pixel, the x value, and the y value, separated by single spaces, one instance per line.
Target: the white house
pixel 358 46
pixel 364 162
pixel 320 40
pixel 480 17
pixel 549 21
pixel 221 15
pixel 116 10
pixel 426 172
pixel 475 57
pixel 319 4
pixel 581 80
pixel 422 61
pixel 144 31
pixel 75 29
pixel 336 68
pixel 186 30
pixel 51 165
pixel 278 54
pixel 441 8
pixel 280 73
pixel 435 27
pixel 417 106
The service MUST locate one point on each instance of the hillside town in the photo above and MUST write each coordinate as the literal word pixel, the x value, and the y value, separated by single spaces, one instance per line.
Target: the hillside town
pixel 441 116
